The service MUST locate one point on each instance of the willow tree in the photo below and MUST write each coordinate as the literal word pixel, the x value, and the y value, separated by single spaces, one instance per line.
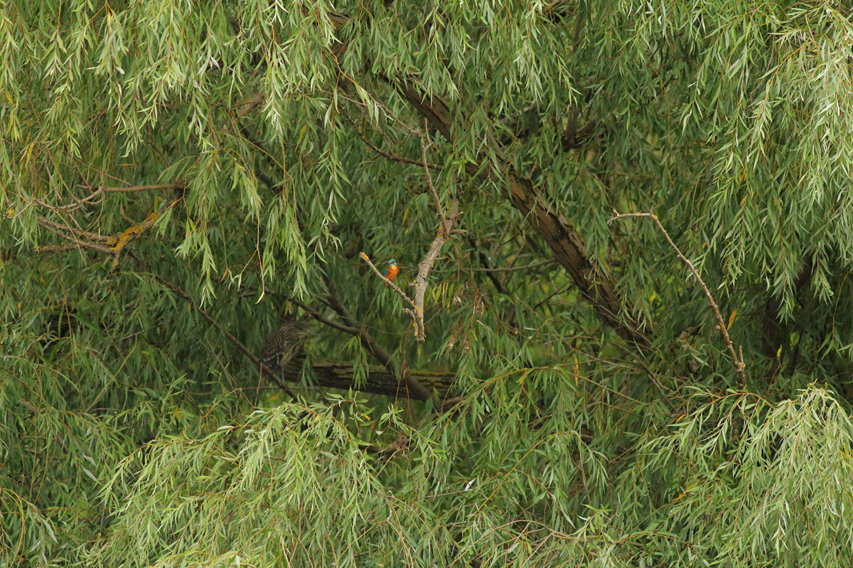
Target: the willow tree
pixel 620 332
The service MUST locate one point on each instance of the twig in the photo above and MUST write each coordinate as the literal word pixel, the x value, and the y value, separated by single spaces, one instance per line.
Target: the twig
pixel 738 362
pixel 58 248
pixel 98 192
pixel 387 155
pixel 445 225
pixel 46 223
pixel 371 346
pixel 56 231
pixel 242 348
pixel 317 316
pixel 556 292
pixel 78 203
pixel 394 287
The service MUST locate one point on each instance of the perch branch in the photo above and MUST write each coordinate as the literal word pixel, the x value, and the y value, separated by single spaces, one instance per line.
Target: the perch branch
pixel 393 286
pixel 415 388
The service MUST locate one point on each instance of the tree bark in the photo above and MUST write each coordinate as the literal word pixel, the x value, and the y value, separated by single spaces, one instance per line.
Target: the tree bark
pixel 338 375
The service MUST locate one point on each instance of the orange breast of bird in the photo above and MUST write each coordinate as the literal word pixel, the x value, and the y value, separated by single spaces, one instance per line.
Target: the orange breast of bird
pixel 391 273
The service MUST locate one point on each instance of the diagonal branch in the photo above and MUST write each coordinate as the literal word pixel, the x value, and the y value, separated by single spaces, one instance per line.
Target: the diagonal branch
pixel 237 343
pixel 416 389
pixel 739 364
pixel 390 283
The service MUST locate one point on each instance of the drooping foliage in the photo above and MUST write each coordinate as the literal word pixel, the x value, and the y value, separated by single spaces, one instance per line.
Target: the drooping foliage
pixel 593 386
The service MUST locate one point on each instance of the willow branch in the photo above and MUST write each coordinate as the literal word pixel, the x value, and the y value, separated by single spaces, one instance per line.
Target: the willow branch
pixel 237 343
pixel 416 389
pixel 113 244
pixel 57 230
pixel 738 362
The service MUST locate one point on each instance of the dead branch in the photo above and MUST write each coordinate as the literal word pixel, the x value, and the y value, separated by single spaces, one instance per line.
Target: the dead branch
pixel 425 266
pixel 738 362
pixel 51 226
pixel 113 244
pixel 118 242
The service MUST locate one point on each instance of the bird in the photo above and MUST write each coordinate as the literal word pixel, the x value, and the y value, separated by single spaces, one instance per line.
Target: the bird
pixel 391 272
pixel 285 345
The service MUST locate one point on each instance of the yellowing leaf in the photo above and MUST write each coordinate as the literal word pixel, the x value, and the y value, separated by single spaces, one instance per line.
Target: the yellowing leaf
pixel 731 319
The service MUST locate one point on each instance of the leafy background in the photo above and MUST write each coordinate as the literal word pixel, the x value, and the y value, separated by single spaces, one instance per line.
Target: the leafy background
pixel 175 175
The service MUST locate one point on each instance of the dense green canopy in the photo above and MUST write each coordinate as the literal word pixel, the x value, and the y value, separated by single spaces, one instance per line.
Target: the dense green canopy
pixel 558 377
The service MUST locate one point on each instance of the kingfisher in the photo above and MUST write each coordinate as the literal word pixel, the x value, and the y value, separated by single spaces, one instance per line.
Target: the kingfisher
pixel 392 271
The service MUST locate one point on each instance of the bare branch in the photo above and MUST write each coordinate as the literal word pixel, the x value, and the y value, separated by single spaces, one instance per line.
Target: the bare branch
pixel 242 348
pixel 131 189
pixel 47 223
pixel 738 362
pixel 425 266
pixel 113 244
pixel 56 230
